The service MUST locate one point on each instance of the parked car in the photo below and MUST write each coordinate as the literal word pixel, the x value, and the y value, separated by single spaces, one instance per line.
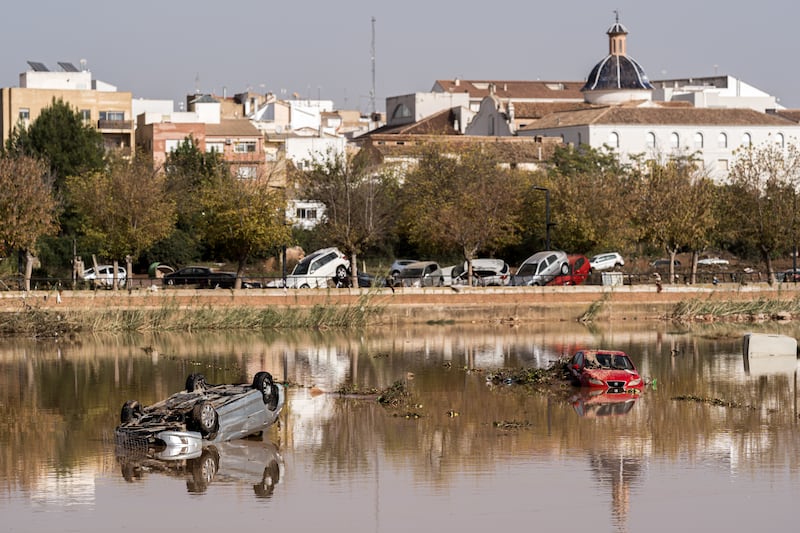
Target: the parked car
pixel 320 269
pixel 712 261
pixel 203 413
pixel 664 263
pixel 607 261
pixel 605 369
pixel 579 270
pixel 398 265
pixel 202 277
pixel 541 268
pixel 789 275
pixel 104 276
pixel 366 281
pixel 485 272
pixel 421 274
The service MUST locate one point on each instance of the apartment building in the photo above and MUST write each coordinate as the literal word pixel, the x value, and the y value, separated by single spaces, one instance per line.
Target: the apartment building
pixel 100 104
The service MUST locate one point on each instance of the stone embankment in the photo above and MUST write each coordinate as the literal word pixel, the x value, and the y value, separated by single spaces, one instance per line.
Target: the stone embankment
pixel 405 305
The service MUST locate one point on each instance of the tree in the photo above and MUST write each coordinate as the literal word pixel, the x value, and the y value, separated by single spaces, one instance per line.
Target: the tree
pixel 674 206
pixel 465 203
pixel 762 194
pixel 243 217
pixel 28 208
pixel 60 136
pixel 360 202
pixel 124 209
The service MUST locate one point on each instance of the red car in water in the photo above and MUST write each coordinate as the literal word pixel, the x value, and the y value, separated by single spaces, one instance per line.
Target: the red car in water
pixel 605 369
pixel 579 270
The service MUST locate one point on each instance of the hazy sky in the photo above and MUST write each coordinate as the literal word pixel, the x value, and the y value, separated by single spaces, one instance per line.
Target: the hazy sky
pixel 170 48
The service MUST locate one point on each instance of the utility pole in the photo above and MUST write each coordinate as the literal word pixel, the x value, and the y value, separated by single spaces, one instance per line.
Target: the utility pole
pixel 373 109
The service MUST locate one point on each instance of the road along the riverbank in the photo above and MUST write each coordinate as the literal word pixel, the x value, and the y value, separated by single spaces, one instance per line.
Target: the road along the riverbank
pixel 406 305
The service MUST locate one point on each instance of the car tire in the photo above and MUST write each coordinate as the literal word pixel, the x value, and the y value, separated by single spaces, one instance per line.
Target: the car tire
pixel 193 381
pixel 341 272
pixel 206 418
pixel 304 286
pixel 170 282
pixel 270 478
pixel 564 269
pixel 262 381
pixel 203 470
pixel 130 410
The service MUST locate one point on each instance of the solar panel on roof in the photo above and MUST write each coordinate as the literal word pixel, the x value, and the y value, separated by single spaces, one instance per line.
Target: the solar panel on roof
pixel 68 67
pixel 38 67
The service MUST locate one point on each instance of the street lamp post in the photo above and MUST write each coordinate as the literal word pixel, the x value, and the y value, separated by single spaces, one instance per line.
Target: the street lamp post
pixel 546 214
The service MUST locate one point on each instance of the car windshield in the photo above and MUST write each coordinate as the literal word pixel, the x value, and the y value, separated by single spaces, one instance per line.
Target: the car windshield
pixel 608 360
pixel 528 269
pixel 412 273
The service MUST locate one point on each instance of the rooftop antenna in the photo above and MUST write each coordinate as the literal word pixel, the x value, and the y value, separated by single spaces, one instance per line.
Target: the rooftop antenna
pixel 197 83
pixel 372 91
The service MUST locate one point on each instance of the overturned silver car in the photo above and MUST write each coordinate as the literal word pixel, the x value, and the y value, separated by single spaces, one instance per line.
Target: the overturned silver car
pixel 203 413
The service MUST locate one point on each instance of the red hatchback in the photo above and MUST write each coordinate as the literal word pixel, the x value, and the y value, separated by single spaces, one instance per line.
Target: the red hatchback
pixel 579 270
pixel 605 369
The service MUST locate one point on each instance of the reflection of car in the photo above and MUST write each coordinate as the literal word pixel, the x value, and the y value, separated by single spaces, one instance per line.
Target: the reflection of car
pixel 421 274
pixel 605 369
pixel 540 268
pixel 317 268
pixel 255 462
pixel 592 403
pixel 664 263
pixel 607 261
pixel 201 276
pixel 104 276
pixel 203 412
pixel 485 272
pixel 578 271
pixel 712 261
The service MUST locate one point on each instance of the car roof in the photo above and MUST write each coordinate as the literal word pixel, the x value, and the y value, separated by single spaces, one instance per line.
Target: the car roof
pixel 419 264
pixel 538 256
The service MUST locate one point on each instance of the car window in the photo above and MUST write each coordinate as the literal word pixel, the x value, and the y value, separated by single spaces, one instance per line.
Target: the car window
pixel 527 269
pixel 325 259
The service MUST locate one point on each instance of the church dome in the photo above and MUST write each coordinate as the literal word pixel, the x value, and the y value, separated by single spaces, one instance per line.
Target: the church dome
pixel 617 78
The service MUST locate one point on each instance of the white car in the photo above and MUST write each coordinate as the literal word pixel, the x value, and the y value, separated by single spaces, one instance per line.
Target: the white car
pixel 485 273
pixel 319 268
pixel 712 261
pixel 606 261
pixel 104 276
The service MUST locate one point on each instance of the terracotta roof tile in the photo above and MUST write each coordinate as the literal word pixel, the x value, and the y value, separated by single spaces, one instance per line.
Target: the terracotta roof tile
pixel 233 127
pixel 547 90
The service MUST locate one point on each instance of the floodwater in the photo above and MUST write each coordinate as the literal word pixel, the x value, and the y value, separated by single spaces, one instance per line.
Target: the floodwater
pixel 463 456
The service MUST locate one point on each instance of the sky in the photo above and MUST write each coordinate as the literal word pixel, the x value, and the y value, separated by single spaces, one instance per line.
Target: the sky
pixel 323 49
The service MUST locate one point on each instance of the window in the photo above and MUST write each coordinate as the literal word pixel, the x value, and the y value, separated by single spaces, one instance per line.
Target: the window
pixel 305 213
pixel 698 140
pixel 401 111
pixel 746 140
pixel 112 115
pixel 650 139
pixel 215 147
pixel 244 147
pixel 674 140
pixel 24 114
pixel 613 139
pixel 580 139
pixel 247 172
pixel 86 115
pixel 722 140
pixel 779 140
pixel 170 145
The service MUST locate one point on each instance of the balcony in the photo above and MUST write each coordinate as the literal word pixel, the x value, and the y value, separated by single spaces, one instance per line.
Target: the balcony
pixel 116 125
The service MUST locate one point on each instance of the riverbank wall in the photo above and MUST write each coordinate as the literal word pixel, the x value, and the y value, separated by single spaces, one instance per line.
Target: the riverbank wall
pixel 422 305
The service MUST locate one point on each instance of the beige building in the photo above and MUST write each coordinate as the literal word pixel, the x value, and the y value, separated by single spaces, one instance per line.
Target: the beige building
pixel 99 103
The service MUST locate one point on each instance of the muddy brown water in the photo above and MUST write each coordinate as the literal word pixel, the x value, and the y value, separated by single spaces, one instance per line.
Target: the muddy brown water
pixel 461 455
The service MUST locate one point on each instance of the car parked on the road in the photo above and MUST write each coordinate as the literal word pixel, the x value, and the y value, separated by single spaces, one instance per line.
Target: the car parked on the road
pixel 610 370
pixel 202 277
pixel 541 268
pixel 607 261
pixel 713 261
pixel 664 263
pixel 320 269
pixel 203 412
pixel 579 270
pixel 398 265
pixel 486 272
pixel 421 274
pixel 103 276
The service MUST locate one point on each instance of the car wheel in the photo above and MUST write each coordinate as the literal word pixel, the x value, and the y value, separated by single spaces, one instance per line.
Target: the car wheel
pixel 564 269
pixel 271 477
pixel 304 286
pixel 130 410
pixel 195 381
pixel 263 382
pixel 170 282
pixel 206 418
pixel 341 272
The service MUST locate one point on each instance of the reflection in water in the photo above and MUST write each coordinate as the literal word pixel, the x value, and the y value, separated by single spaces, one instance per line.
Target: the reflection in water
pixel 596 403
pixel 59 405
pixel 254 462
